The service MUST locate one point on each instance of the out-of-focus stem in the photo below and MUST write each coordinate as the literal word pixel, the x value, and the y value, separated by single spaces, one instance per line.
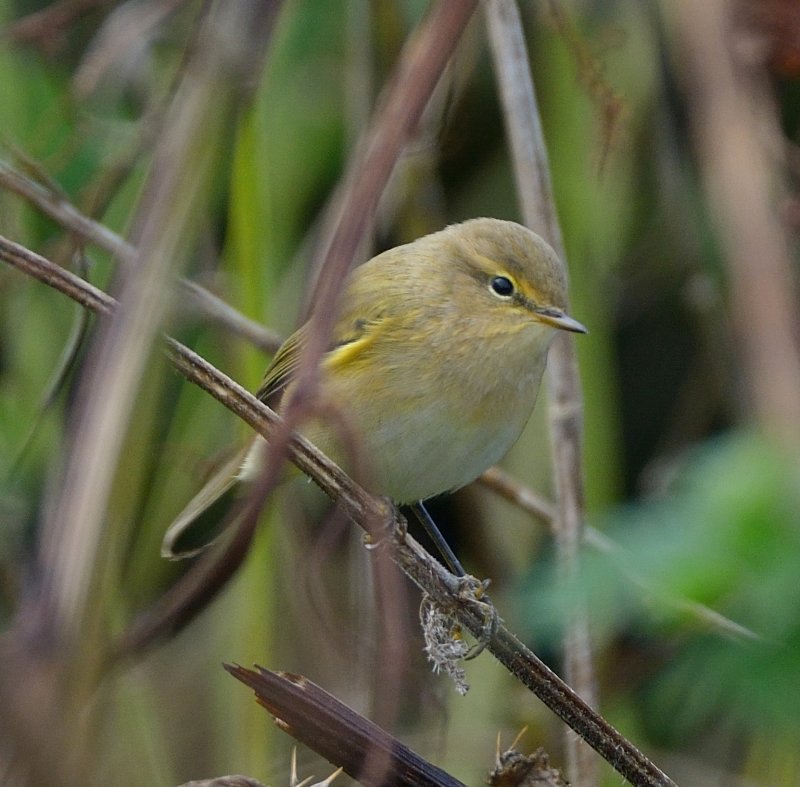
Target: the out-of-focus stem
pixel 738 137
pixel 532 173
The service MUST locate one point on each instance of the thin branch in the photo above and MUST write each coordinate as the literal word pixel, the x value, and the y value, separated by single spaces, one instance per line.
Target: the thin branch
pixel 218 311
pixel 525 498
pixel 87 230
pixel 400 108
pixel 53 204
pixel 386 528
pixel 522 496
pixel 47 272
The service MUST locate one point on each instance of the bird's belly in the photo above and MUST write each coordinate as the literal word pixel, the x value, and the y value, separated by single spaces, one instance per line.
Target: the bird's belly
pixel 419 450
pixel 427 460
pixel 397 437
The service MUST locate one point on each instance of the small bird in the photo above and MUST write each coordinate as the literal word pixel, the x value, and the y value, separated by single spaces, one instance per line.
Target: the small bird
pixel 435 363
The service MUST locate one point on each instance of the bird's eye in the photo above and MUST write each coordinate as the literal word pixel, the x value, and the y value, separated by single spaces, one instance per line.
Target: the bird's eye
pixel 502 286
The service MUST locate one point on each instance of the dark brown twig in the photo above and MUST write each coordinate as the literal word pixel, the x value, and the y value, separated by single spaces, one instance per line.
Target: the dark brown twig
pixel 316 718
pixel 417 73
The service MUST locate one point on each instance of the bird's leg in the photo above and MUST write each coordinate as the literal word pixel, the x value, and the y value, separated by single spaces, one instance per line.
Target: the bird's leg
pixel 439 542
pixel 471 586
pixel 475 590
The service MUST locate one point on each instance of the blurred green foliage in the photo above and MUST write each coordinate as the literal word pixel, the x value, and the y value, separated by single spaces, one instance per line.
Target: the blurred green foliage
pixel 723 535
pixel 704 511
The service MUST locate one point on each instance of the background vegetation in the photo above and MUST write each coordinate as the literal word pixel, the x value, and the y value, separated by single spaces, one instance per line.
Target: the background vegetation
pixel 676 191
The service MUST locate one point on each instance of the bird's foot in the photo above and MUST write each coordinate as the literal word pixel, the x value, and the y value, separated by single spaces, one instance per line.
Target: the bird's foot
pixel 474 590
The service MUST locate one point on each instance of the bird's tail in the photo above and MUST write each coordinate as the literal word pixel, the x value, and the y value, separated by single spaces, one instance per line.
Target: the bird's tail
pixel 204 517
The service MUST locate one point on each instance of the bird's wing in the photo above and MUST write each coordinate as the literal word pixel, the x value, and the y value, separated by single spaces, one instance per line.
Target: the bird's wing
pixel 283 366
pixel 353 343
pixel 363 319
pixel 352 337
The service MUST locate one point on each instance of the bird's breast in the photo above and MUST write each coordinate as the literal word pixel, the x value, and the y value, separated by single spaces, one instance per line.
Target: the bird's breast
pixel 422 428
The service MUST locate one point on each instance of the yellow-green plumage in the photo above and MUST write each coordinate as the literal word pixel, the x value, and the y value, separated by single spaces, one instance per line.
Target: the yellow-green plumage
pixel 434 371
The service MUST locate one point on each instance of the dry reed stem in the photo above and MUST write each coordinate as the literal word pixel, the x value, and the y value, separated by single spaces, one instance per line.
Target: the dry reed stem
pixel 532 174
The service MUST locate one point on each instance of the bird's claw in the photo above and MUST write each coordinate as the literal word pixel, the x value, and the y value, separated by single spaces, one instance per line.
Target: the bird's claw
pixel 474 590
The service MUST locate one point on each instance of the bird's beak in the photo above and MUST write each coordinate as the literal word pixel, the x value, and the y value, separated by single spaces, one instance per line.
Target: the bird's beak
pixel 557 319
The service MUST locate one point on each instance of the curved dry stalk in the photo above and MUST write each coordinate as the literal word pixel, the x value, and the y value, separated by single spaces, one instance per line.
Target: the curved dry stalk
pixel 74 520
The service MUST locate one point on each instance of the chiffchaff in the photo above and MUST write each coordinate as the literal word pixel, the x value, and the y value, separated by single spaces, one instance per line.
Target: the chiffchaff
pixel 435 363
